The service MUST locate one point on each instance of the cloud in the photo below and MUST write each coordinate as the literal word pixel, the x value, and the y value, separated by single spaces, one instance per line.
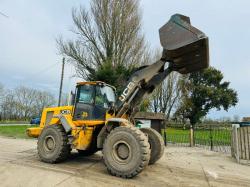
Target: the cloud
pixel 27 39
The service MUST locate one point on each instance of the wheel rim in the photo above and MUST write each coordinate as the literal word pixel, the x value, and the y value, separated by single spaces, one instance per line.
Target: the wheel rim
pixel 121 152
pixel 49 143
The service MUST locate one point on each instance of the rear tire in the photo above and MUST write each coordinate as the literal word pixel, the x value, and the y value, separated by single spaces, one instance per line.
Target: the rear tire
pixel 156 144
pixel 53 144
pixel 126 152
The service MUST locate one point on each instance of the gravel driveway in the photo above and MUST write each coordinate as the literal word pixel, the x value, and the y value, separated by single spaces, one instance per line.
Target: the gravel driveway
pixel 20 166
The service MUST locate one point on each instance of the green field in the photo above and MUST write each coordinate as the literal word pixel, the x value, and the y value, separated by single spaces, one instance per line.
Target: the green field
pixel 203 136
pixel 174 135
pixel 16 131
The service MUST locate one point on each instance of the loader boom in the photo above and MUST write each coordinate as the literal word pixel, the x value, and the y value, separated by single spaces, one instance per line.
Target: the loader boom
pixel 185 49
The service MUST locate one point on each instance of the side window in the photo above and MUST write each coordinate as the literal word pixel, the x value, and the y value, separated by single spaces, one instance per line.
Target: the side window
pixel 86 94
pixel 104 96
pixel 100 99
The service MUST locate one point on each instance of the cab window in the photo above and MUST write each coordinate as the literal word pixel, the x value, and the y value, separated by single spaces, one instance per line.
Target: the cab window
pixel 104 96
pixel 86 94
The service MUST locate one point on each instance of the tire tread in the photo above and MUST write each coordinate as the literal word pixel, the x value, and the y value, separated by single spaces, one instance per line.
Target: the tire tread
pixel 144 149
pixel 64 150
pixel 158 151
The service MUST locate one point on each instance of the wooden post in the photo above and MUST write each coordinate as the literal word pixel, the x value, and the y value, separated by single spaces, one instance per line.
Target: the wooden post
pixel 241 144
pixel 236 143
pixel 191 136
pixel 164 133
pixel 248 134
pixel 211 137
pixel 246 143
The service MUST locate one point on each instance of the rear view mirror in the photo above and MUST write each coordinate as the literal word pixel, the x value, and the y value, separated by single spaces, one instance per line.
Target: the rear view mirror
pixel 72 98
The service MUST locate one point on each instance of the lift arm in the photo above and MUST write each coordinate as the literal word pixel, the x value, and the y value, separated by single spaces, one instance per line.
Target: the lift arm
pixel 185 50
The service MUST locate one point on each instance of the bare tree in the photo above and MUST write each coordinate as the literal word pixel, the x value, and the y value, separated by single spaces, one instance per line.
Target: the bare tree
pixel 1 88
pixel 1 99
pixel 107 36
pixel 42 99
pixel 1 93
pixel 8 110
pixel 165 98
pixel 167 95
pixel 25 100
pixel 23 103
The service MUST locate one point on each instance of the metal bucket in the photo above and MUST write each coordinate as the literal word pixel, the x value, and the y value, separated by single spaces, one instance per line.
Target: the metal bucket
pixel 184 46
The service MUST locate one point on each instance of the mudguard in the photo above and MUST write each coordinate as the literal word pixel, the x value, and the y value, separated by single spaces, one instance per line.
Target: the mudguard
pixel 109 125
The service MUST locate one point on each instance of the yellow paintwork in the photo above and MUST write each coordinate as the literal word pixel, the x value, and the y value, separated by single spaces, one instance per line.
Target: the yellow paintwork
pixel 83 138
pixel 82 130
pixel 91 82
pixel 34 132
pixel 94 83
pixel 54 111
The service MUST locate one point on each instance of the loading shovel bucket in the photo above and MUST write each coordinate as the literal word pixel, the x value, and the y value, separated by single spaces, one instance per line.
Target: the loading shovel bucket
pixel 184 46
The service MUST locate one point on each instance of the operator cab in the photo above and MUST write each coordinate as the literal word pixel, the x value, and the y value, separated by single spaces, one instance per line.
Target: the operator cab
pixel 92 100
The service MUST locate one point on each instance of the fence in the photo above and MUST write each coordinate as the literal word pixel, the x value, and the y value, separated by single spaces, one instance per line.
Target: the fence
pixel 215 137
pixel 241 144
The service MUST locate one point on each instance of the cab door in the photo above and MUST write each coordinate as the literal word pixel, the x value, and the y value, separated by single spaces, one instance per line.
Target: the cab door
pixel 85 107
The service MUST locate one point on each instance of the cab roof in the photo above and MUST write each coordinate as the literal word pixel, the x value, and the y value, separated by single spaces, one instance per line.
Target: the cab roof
pixel 94 83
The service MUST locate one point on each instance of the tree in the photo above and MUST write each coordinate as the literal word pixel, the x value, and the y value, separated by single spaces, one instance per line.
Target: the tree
pixel 167 95
pixel 1 89
pixel 42 99
pixel 1 99
pixel 108 44
pixel 1 94
pixel 23 103
pixel 203 91
pixel 8 109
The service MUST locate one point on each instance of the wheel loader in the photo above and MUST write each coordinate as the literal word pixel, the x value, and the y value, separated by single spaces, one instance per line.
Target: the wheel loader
pixel 98 120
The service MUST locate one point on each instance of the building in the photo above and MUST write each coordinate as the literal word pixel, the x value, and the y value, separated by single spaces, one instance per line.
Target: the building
pixel 149 119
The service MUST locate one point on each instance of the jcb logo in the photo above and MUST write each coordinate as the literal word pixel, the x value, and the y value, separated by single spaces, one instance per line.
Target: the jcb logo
pixel 65 112
pixel 126 91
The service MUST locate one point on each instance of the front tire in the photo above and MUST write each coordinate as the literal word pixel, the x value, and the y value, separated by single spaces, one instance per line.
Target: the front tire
pixel 156 144
pixel 126 152
pixel 53 144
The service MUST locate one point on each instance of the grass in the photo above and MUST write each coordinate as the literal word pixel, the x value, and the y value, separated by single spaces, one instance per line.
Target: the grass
pixel 16 131
pixel 174 135
pixel 203 136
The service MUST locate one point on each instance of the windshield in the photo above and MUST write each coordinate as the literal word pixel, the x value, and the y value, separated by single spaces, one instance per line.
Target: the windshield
pixel 86 94
pixel 104 96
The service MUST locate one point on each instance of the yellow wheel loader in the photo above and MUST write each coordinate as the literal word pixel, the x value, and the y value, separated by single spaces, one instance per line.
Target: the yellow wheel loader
pixel 97 120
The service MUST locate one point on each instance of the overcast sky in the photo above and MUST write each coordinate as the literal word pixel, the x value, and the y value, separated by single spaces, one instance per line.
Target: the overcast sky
pixel 29 57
